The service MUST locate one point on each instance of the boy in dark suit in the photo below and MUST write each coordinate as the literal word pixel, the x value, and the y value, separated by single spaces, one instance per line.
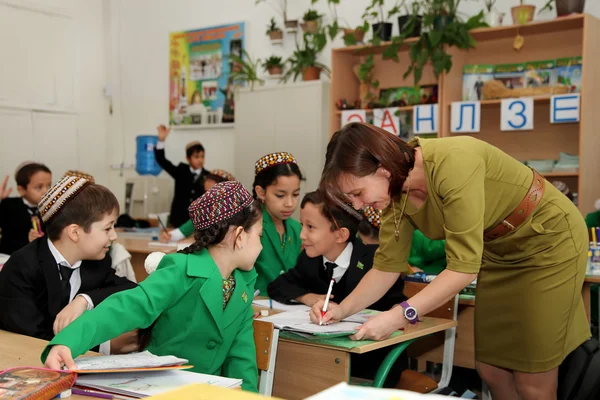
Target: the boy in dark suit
pixel 189 178
pixel 18 213
pixel 50 282
pixel 332 250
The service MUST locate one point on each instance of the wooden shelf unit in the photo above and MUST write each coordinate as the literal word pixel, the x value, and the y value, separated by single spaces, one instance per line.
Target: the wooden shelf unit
pixel 577 35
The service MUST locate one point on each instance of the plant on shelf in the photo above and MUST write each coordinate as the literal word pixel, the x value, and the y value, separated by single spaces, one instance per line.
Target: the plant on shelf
pixel 382 29
pixel 369 87
pixel 274 65
pixel 312 20
pixel 246 71
pixel 304 60
pixel 492 17
pixel 409 22
pixel 523 13
pixel 351 36
pixel 274 32
pixel 564 7
pixel 280 7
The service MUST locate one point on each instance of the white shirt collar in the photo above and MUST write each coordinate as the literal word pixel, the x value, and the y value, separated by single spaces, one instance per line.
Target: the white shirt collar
pixel 28 204
pixel 195 171
pixel 59 258
pixel 343 262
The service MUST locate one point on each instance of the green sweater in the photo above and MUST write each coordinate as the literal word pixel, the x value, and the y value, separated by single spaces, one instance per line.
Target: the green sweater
pixel 427 254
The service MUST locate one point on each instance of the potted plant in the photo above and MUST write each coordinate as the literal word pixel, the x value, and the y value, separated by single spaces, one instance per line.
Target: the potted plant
pixel 304 59
pixel 274 32
pixel 565 7
pixel 280 7
pixel 409 24
pixel 523 13
pixel 311 22
pixel 382 30
pixel 274 65
pixel 247 70
pixel 492 17
pixel 355 36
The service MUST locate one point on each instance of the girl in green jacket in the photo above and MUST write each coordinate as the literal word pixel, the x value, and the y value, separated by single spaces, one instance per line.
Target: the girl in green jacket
pixel 277 186
pixel 198 301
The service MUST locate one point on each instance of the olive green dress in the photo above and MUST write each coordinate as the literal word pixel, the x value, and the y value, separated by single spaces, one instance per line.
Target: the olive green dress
pixel 529 312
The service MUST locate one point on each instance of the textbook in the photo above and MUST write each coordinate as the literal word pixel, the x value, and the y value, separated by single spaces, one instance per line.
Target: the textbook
pixel 299 321
pixel 29 383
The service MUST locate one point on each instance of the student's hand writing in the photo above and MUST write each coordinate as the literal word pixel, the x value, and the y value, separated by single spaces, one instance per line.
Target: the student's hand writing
pixel 311 298
pixel 334 313
pixel 70 313
pixel 126 343
pixel 60 356
pixel 164 237
pixel 163 132
pixel 34 234
pixel 382 325
pixel 4 193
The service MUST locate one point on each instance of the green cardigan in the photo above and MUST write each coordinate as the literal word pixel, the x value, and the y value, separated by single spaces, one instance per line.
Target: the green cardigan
pixel 185 298
pixel 427 254
pixel 273 260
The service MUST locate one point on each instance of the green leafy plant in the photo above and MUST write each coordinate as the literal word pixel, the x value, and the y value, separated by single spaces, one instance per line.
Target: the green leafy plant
pixel 280 6
pixel 272 27
pixel 306 55
pixel 489 5
pixel 245 70
pixel 549 6
pixel 375 14
pixel 311 15
pixel 273 61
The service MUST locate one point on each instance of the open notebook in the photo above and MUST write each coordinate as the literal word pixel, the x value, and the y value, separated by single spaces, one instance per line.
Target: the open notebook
pixel 127 362
pixel 144 384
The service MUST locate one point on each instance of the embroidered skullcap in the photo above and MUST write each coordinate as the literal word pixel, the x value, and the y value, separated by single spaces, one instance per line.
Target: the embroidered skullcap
pixel 21 166
pixel 192 144
pixel 222 174
pixel 373 215
pixel 221 202
pixel 80 174
pixel 60 194
pixel 273 159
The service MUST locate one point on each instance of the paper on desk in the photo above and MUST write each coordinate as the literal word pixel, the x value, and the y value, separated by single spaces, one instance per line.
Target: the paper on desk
pixel 299 321
pixel 144 359
pixel 343 391
pixel 362 316
pixel 161 244
pixel 279 306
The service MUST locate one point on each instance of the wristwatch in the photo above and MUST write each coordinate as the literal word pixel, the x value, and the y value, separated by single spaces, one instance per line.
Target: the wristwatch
pixel 410 313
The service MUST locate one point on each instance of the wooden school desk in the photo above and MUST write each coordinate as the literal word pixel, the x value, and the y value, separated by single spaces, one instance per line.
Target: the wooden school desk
pixel 139 249
pixel 430 349
pixel 24 351
pixel 303 369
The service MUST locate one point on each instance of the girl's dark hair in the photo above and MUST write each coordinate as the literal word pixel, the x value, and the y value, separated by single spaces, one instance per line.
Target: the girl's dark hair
pixel 215 178
pixel 212 235
pixel 215 233
pixel 335 215
pixel 359 149
pixel 365 228
pixel 269 176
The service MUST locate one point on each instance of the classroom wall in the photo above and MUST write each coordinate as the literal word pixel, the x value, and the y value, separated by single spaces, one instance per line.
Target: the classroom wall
pixel 53 69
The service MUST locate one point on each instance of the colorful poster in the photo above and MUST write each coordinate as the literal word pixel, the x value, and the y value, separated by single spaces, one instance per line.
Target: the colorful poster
pixel 200 91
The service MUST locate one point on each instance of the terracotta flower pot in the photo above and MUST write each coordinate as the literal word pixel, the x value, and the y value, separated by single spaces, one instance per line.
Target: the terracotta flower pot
pixel 522 15
pixel 359 34
pixel 311 74
pixel 310 27
pixel 275 70
pixel 276 35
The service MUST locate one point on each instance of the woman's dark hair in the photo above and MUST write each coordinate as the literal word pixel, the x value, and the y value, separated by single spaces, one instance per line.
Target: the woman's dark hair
pixel 359 149
pixel 212 235
pixel 215 233
pixel 269 176
pixel 335 215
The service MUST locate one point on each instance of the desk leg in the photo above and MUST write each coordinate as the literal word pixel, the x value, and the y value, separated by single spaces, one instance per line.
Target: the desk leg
pixel 586 293
pixel 302 370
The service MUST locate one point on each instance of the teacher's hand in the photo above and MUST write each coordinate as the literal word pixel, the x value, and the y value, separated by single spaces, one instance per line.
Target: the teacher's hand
pixel 381 326
pixel 334 313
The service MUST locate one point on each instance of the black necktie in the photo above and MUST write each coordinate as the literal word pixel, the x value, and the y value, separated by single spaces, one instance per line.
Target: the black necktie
pixel 33 211
pixel 329 267
pixel 65 284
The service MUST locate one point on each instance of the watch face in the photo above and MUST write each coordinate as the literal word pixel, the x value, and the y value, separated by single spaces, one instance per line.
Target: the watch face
pixel 410 313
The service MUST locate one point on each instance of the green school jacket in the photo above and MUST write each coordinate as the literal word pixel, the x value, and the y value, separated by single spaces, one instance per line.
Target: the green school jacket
pixel 272 260
pixel 427 254
pixel 187 229
pixel 184 295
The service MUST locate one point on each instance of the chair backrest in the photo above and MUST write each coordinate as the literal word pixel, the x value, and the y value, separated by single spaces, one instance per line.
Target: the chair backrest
pixel 446 310
pixel 263 338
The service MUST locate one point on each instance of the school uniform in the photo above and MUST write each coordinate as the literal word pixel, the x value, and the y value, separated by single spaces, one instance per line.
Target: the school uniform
pixel 34 289
pixel 15 223
pixel 313 275
pixel 189 185
pixel 185 298
pixel 279 254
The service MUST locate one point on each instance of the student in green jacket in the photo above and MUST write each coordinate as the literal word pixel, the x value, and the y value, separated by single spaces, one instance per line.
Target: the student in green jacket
pixel 277 185
pixel 198 301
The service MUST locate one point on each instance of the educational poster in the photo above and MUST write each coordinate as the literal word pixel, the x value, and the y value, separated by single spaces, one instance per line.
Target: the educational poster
pixel 200 91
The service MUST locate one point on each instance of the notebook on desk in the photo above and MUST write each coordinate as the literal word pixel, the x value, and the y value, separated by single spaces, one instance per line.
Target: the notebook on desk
pixel 299 321
pixel 144 361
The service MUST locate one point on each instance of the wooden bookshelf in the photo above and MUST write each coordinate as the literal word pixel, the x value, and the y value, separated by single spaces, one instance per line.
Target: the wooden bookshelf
pixel 577 35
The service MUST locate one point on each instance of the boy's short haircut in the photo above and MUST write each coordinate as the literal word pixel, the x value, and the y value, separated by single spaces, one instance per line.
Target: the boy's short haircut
pixel 193 148
pixel 336 216
pixel 90 205
pixel 23 174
